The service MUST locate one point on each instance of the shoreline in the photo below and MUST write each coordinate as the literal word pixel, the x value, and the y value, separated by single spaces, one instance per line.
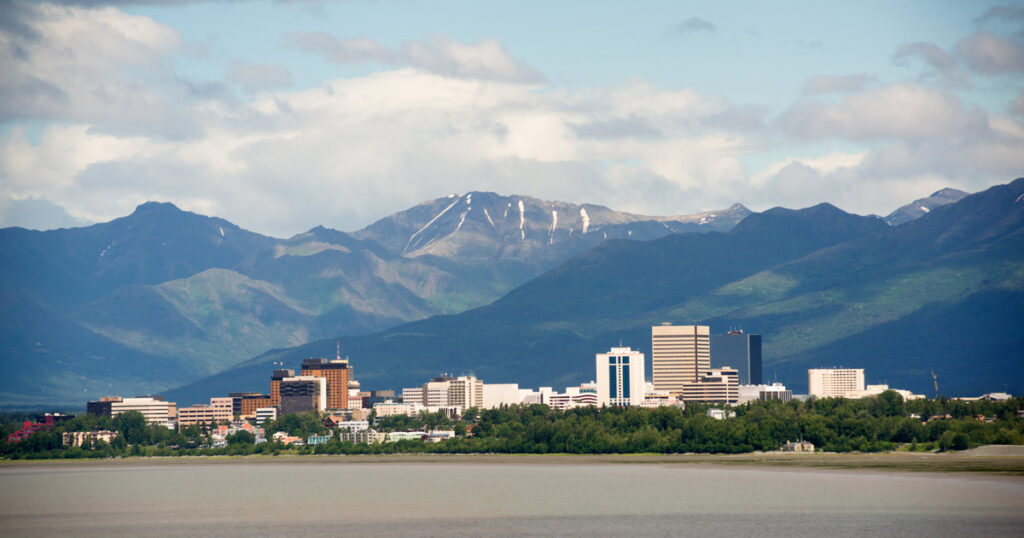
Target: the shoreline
pixel 958 463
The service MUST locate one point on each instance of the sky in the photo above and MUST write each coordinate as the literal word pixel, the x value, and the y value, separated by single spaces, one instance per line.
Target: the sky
pixel 281 116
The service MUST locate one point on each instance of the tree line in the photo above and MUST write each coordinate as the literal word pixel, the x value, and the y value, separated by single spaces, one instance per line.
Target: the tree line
pixel 874 424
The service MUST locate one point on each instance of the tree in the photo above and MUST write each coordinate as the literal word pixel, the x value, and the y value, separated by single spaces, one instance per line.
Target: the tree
pixel 241 437
pixel 889 404
pixel 132 425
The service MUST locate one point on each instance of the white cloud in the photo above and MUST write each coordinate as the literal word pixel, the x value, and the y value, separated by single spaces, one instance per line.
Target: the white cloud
pixel 445 117
pixel 838 83
pixel 341 50
pixel 907 111
pixel 991 54
pixel 71 64
pixel 254 77
pixel 486 60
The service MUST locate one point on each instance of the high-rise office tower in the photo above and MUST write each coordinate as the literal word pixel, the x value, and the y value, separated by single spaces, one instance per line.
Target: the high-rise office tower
pixel 337 373
pixel 740 351
pixel 620 377
pixel 275 385
pixel 679 354
pixel 303 393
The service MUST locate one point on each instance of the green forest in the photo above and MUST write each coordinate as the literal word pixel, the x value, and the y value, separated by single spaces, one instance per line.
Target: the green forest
pixel 882 423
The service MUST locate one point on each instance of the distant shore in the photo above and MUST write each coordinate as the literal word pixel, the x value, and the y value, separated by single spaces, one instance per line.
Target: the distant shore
pixel 993 460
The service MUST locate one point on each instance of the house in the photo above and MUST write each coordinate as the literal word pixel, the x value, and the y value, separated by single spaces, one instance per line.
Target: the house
pixel 285 439
pixel 318 440
pixel 797 446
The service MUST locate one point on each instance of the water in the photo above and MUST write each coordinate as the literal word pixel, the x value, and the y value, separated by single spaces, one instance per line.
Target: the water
pixel 498 499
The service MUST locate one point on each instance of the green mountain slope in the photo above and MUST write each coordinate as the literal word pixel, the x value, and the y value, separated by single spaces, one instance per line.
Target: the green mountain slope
pixel 544 331
pixel 167 285
pixel 942 293
pixel 49 360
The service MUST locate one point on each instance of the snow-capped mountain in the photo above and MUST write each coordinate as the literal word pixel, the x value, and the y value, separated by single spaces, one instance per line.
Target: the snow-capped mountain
pixel 484 226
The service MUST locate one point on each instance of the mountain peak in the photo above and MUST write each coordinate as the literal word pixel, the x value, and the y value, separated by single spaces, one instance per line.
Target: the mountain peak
pixel 156 207
pixel 921 206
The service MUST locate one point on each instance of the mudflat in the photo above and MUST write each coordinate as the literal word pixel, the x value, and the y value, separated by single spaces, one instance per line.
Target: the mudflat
pixel 992 460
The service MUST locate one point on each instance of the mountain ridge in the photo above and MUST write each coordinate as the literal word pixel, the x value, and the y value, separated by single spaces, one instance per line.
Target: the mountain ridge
pixel 963 262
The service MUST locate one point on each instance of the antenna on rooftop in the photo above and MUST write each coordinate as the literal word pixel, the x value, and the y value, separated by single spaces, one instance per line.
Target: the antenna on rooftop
pixel 339 350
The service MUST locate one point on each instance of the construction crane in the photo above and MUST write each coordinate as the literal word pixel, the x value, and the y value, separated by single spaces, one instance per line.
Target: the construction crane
pixel 935 380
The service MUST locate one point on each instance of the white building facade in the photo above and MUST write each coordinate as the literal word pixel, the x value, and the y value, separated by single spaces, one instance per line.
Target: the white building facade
pixel 620 377
pixel 834 382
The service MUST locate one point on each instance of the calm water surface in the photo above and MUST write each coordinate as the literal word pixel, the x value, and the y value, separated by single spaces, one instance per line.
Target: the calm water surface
pixel 473 499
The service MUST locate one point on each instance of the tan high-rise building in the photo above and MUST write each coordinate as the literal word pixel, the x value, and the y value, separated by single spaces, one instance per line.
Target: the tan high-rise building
pixel 337 373
pixel 275 385
pixel 679 354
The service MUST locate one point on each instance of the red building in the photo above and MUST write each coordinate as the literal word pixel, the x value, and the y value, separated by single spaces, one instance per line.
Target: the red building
pixel 32 427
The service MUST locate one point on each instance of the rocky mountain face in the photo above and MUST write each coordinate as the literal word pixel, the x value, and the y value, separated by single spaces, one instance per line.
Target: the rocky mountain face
pixel 921 206
pixel 190 295
pixel 944 292
pixel 483 228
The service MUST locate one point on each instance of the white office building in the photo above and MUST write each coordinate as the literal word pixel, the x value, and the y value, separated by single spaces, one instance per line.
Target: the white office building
pixel 497 394
pixel 775 391
pixel 620 377
pixel 264 414
pixel 156 410
pixel 834 382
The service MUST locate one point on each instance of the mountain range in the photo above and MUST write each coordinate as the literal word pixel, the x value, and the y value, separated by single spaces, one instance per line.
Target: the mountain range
pixel 162 297
pixel 943 293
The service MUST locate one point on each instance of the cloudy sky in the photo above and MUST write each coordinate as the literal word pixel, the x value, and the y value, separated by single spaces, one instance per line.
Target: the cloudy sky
pixel 281 116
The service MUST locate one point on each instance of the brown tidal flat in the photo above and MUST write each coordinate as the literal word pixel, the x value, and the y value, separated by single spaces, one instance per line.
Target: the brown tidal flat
pixel 1007 461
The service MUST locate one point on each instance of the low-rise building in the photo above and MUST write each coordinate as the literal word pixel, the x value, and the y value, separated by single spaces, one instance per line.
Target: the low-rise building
pixel 390 408
pixel 337 423
pixel 719 385
pixel 797 446
pixel 393 437
pixel 245 404
pixel 264 414
pixel 437 436
pixel 217 411
pixel 83 438
pixel 721 414
pixel 314 440
pixel 573 397
pixel 155 409
pixel 285 439
pixel 366 436
pixel 775 391
pixel 875 390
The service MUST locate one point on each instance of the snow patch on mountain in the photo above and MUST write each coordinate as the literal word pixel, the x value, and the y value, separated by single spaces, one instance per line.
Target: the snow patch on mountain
pixel 427 225
pixel 522 220
pixel 586 220
pixel 554 223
